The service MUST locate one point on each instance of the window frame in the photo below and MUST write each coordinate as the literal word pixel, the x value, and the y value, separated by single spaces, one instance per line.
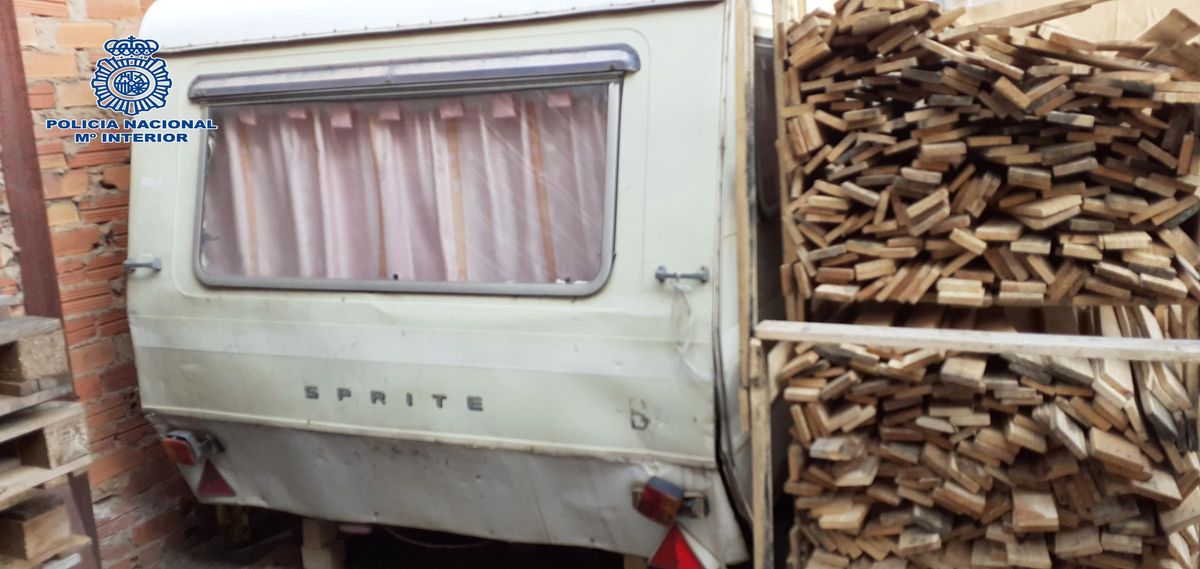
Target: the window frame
pixel 520 79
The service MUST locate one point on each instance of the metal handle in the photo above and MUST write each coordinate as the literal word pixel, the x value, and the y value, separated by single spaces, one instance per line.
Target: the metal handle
pixel 154 264
pixel 663 274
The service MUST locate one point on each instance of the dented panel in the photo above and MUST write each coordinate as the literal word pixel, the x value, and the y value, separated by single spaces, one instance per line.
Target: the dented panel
pixel 495 494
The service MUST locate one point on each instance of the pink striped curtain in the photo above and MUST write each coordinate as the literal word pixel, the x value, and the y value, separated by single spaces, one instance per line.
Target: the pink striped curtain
pixel 497 188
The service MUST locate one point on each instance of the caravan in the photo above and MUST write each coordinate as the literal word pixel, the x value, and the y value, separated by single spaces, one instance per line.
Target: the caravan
pixel 467 266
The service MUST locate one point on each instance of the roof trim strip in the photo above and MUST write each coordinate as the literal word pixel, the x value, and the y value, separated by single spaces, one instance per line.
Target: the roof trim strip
pixel 232 24
pixel 618 58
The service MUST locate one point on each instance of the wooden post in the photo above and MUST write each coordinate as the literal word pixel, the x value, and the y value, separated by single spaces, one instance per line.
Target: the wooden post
pixel 322 546
pixel 23 177
pixel 31 228
pixel 780 16
pixel 762 479
pixel 743 107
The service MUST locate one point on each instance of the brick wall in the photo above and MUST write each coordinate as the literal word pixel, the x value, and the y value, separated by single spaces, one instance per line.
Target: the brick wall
pixel 141 503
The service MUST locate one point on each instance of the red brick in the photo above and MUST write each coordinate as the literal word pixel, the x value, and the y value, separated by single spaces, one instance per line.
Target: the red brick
pixel 110 528
pixel 84 299
pixel 176 488
pixel 120 377
pixel 141 431
pixel 79 94
pixel 116 548
pixel 101 447
pixel 9 286
pixel 102 202
pixel 105 260
pixel 51 184
pixel 87 387
pixel 151 554
pixel 114 9
pixel 105 274
pixel 41 96
pixel 97 146
pixel 89 304
pixel 79 329
pixel 74 241
pixel 116 177
pixel 56 8
pixel 51 161
pixel 40 64
pixel 102 436
pixel 107 467
pixel 157 527
pixel 90 34
pixel 67 185
pixel 147 476
pixel 49 148
pixel 72 278
pixel 111 507
pixel 84 159
pixel 62 212
pixel 106 403
pixel 113 322
pixel 27 32
pixel 104 209
pixel 105 267
pixel 107 417
pixel 92 356
pixel 68 265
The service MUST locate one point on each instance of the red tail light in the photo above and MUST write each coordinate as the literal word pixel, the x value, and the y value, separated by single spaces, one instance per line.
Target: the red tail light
pixel 212 484
pixel 179 451
pixel 675 553
pixel 189 448
pixel 660 501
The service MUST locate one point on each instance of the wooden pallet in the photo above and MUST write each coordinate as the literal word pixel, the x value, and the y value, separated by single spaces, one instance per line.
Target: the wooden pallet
pixel 41 439
pixel 73 544
pixel 43 443
pixel 33 357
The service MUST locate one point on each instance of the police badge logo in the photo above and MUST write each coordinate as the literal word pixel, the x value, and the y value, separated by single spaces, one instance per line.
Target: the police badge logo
pixel 133 80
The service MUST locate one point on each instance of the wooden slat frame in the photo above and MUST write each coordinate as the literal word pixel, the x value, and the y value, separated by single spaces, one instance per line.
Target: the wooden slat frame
pixel 975 341
pixel 759 393
pixel 820 333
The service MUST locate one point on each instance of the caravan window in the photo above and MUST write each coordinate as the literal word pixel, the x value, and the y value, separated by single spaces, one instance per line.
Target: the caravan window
pixel 491 191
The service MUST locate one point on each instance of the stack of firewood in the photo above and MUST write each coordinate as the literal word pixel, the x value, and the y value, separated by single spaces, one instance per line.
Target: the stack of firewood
pixel 1004 162
pixel 932 162
pixel 957 460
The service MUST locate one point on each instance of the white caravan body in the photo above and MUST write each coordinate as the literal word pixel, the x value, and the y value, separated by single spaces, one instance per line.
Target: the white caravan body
pixel 522 408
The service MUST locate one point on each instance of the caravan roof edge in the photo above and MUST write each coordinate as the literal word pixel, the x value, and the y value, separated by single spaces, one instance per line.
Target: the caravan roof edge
pixel 181 26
